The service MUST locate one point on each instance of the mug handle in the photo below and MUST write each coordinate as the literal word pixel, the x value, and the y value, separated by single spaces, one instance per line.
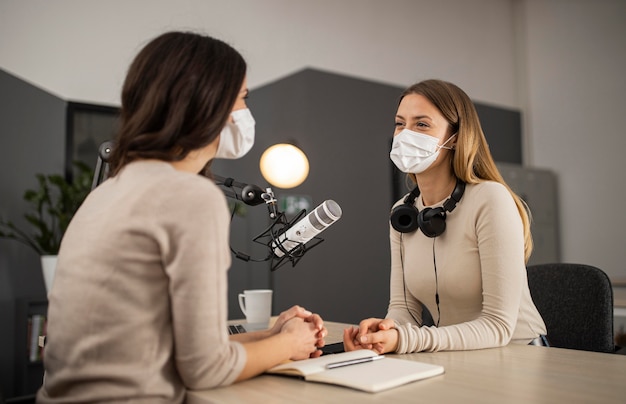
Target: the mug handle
pixel 242 305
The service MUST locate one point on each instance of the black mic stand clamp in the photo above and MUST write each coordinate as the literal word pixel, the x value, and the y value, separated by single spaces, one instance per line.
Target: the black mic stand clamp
pixel 270 201
pixel 102 164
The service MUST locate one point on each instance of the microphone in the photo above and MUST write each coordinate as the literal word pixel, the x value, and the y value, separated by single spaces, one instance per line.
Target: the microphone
pixel 327 213
pixel 102 164
pixel 286 239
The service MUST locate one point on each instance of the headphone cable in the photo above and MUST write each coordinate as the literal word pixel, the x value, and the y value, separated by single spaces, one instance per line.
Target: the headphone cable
pixel 419 324
pixel 436 285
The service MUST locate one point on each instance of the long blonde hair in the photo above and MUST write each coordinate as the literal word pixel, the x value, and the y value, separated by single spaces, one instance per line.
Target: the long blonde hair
pixel 472 161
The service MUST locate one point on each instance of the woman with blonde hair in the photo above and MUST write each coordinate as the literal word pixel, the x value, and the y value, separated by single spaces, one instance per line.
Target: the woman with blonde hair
pixel 460 239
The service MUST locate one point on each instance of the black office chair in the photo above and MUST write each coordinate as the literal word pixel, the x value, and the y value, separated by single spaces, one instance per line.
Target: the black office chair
pixel 576 303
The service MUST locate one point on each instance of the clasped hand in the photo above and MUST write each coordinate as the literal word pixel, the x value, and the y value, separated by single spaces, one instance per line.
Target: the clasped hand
pixel 373 333
pixel 308 327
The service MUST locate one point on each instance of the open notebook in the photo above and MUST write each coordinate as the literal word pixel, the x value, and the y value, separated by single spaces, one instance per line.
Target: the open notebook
pixel 362 370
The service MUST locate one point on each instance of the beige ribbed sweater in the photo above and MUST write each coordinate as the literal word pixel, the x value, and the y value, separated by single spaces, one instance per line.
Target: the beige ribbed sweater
pixel 484 300
pixel 138 308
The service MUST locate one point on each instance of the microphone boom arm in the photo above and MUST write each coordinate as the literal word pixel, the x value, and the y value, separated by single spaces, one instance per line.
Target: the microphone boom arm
pixel 254 195
pixel 250 195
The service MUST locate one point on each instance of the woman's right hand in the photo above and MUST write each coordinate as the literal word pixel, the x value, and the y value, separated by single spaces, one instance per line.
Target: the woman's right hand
pixel 304 337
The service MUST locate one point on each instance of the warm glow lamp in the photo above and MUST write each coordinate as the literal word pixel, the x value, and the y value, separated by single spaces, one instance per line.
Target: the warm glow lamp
pixel 284 165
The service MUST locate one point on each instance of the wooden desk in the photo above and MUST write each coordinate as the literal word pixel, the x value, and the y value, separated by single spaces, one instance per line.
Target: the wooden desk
pixel 512 374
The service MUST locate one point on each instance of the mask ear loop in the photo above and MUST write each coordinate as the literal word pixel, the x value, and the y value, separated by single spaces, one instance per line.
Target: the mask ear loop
pixel 406 304
pixel 443 146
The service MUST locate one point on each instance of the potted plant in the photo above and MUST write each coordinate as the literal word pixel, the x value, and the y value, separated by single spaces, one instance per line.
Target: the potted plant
pixel 53 206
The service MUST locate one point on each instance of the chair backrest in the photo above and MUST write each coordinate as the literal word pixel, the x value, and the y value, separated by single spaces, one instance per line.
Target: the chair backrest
pixel 576 303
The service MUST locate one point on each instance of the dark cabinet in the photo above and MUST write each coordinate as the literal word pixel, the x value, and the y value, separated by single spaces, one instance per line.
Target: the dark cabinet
pixel 30 323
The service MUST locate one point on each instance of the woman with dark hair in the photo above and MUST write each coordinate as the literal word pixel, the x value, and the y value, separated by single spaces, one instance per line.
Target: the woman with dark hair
pixel 459 241
pixel 138 308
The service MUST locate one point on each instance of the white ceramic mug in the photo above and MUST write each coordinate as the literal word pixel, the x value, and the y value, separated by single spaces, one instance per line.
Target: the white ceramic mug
pixel 256 305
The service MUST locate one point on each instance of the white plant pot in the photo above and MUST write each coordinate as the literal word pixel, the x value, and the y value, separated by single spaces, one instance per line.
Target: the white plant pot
pixel 48 266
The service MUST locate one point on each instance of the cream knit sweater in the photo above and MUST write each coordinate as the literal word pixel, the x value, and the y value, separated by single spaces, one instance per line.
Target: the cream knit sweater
pixel 480 277
pixel 138 308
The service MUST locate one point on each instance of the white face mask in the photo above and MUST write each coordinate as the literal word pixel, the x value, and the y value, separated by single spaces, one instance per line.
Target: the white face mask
pixel 237 138
pixel 414 152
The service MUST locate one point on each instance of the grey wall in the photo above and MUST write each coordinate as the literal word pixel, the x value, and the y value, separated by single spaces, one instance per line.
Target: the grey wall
pixel 32 140
pixel 347 143
pixel 573 54
pixel 311 108
pixel 560 62
pixel 345 126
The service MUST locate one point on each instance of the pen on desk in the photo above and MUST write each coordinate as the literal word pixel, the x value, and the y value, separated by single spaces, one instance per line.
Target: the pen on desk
pixel 353 362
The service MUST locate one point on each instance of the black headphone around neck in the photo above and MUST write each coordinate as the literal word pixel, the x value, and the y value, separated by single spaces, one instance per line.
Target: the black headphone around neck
pixel 406 218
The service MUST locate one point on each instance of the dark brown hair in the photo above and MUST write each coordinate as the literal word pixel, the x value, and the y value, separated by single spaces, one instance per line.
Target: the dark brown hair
pixel 178 94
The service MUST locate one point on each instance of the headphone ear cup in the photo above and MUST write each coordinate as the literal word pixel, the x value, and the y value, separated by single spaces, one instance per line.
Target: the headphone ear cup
pixel 432 222
pixel 404 218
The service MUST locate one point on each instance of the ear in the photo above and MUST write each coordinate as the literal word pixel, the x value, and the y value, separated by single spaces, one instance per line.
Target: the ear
pixel 455 138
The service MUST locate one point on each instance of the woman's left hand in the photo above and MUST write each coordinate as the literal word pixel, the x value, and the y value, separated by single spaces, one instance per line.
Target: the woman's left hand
pixel 373 333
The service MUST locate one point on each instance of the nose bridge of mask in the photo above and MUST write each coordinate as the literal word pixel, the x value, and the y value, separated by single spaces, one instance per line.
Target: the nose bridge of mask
pixel 243 117
pixel 423 142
